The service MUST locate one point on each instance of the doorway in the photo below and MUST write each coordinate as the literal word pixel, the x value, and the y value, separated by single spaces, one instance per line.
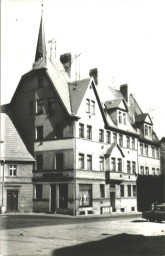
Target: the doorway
pixel 12 201
pixel 63 196
pixel 112 200
pixel 53 197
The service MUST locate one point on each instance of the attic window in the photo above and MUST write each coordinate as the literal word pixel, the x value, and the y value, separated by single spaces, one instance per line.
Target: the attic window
pixel 40 82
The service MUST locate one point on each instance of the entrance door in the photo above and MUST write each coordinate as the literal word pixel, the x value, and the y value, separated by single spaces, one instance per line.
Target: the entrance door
pixel 112 200
pixel 53 197
pixel 63 196
pixel 12 201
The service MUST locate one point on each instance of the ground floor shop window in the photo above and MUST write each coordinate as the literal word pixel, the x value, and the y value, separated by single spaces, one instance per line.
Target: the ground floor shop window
pixel 85 194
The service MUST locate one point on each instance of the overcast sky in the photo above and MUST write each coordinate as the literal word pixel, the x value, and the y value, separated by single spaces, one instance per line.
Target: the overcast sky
pixel 124 39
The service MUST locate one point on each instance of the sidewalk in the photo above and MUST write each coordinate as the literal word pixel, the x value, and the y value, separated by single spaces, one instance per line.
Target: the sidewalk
pixel 114 214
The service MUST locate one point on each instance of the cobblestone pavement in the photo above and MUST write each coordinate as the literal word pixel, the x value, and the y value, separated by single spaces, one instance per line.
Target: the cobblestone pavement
pixel 50 234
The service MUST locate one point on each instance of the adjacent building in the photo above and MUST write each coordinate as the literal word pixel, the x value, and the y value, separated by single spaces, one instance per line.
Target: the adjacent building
pixel 88 148
pixel 16 170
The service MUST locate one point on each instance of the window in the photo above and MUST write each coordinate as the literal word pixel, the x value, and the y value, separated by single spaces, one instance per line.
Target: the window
pixel 146 150
pixel 113 164
pixel 133 167
pixel 153 171
pixel 158 171
pixel 129 190
pixel 38 191
pixel 59 161
pixel 39 162
pixel 128 141
pixel 39 133
pixel 120 117
pixel 157 153
pixel 128 167
pixel 102 190
pixel 40 81
pixel 147 170
pixel 133 143
pixel 85 193
pixel 146 130
pixel 108 137
pixel 114 137
pixel 81 161
pixel 101 135
pixel 12 170
pixel 101 163
pixel 134 190
pixel 87 105
pixel 150 131
pixel 89 162
pixel 81 130
pixel 40 107
pixel 89 132
pixel 120 140
pixel 119 163
pixel 92 107
pixel 141 170
pixel 51 105
pixel 153 152
pixel 59 131
pixel 141 149
pixel 124 119
pixel 121 190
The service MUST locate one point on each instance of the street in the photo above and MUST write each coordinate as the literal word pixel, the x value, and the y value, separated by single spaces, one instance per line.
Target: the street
pixel 34 234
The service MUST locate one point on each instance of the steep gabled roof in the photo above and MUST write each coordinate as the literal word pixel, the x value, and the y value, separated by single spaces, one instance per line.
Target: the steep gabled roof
pixel 77 91
pixel 12 146
pixel 58 77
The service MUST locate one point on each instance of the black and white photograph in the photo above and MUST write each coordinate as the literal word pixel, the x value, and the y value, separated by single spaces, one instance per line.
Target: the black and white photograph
pixel 82 137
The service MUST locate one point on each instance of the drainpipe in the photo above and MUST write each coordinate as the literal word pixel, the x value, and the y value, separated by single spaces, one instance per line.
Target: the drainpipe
pixel 3 166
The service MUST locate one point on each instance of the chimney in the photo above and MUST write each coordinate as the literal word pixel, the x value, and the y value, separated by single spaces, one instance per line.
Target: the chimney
pixel 66 60
pixel 94 73
pixel 124 91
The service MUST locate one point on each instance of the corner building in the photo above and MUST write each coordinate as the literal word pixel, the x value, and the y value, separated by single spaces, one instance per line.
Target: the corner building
pixel 85 145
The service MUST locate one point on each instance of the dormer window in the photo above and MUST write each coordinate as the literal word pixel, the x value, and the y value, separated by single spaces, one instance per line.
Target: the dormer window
pixel 146 130
pixel 40 107
pixel 121 118
pixel 124 118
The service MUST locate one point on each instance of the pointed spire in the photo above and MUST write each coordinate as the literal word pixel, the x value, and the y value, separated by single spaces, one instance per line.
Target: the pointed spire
pixel 41 45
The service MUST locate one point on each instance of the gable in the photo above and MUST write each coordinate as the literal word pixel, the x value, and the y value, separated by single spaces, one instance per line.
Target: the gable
pixel 148 119
pixel 114 150
pixel 91 95
pixel 122 106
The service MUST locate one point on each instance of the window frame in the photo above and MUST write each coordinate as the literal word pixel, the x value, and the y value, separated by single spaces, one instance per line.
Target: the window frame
pixel 81 161
pixel 81 130
pixel 89 132
pixel 89 162
pixel 101 163
pixel 39 133
pixel 101 135
pixel 12 170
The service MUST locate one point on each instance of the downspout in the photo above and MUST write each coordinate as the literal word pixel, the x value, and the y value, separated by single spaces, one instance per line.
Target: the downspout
pixel 3 166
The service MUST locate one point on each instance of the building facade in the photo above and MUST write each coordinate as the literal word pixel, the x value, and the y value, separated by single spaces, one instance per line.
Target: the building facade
pixel 87 147
pixel 16 170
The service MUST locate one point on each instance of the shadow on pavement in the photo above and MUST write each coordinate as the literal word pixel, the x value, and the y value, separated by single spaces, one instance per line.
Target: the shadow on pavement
pixel 122 244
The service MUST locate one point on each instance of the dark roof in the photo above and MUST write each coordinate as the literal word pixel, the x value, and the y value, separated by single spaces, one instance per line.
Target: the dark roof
pixel 113 103
pixel 77 91
pixel 140 118
pixel 12 146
